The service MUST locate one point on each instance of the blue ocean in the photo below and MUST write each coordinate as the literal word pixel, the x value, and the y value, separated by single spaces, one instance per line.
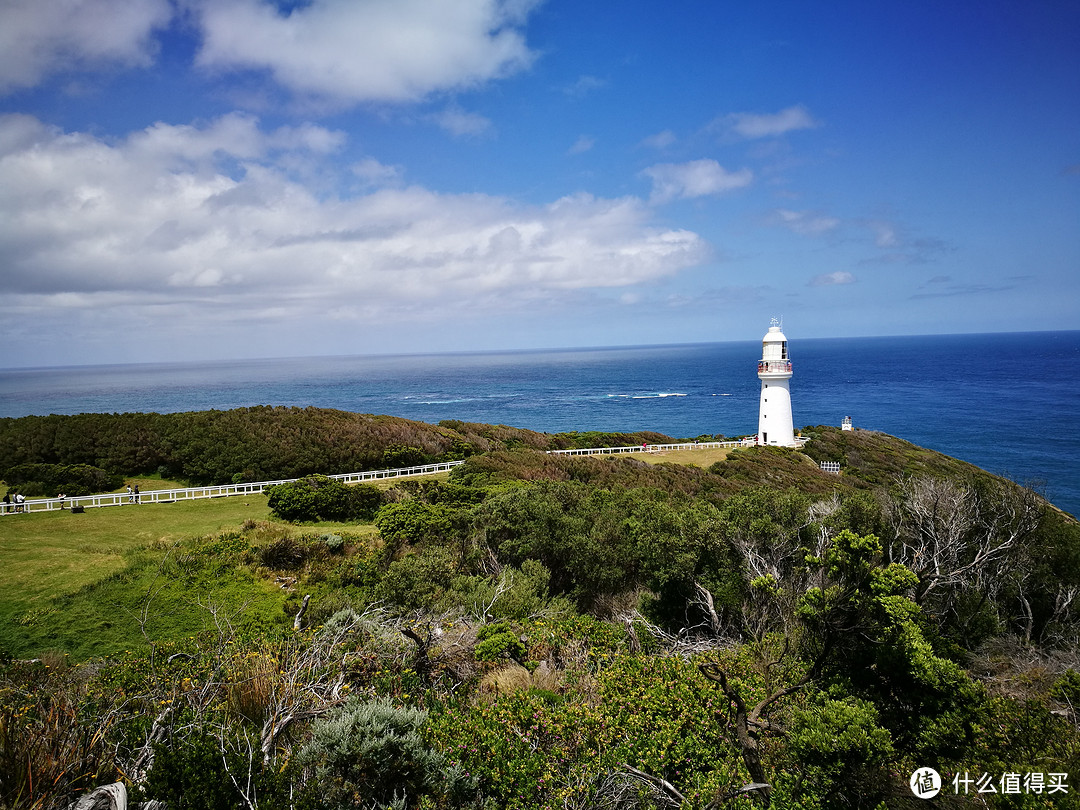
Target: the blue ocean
pixel 1009 403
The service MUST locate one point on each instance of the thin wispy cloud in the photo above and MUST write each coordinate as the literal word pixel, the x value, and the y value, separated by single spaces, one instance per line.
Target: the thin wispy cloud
pixel 697 178
pixel 766 125
pixel 372 173
pixel 584 86
pixel 888 242
pixel 806 223
pixel 582 145
pixel 461 123
pixel 964 290
pixel 661 140
pixel 836 278
pixel 894 246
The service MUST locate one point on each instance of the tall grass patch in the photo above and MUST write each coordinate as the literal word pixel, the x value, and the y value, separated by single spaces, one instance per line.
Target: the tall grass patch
pixel 162 593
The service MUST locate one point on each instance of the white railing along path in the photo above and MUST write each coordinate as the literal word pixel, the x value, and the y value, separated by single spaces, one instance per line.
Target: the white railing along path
pixel 651 448
pixel 229 490
pixel 216 490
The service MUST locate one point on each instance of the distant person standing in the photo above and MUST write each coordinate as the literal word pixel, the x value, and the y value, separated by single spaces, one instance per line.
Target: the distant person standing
pixel 136 493
pixel 131 495
pixel 20 500
pixel 7 502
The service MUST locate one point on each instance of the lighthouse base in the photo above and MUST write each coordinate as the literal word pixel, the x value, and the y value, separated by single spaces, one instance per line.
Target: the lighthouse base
pixel 775 427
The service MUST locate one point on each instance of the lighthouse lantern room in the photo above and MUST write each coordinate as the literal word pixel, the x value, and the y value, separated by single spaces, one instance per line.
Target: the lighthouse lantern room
pixel 774 370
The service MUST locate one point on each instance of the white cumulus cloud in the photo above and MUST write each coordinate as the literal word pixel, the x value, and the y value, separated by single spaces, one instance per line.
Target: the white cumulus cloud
pixel 41 37
pixel 376 50
pixel 202 225
pixel 697 178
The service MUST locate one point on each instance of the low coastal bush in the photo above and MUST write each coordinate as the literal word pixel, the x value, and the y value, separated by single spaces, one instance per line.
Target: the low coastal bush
pixel 318 497
pixel 555 633
pixel 373 754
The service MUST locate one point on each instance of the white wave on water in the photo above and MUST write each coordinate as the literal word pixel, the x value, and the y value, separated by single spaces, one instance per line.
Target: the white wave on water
pixel 657 395
pixel 449 399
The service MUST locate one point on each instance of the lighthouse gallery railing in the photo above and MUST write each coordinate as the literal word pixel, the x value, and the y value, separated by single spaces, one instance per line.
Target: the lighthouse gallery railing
pixel 774 366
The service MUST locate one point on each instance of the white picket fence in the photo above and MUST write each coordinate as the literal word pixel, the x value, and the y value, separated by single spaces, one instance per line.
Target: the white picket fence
pixel 230 490
pixel 217 490
pixel 651 448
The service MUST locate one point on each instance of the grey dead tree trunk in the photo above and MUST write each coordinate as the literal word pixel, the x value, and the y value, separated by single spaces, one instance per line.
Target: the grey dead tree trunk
pixel 106 797
pixel 111 797
pixel 704 598
pixel 296 625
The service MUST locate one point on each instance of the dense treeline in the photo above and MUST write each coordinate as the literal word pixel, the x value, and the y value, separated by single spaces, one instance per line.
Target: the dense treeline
pixel 262 443
pixel 51 479
pixel 595 633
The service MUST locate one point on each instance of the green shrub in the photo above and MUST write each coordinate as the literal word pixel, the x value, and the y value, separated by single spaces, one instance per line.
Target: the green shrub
pixel 418 580
pixel 517 594
pixel 497 641
pixel 194 774
pixel 839 755
pixel 400 455
pixel 317 497
pixel 333 542
pixel 296 501
pixel 413 522
pixel 364 501
pixel 372 753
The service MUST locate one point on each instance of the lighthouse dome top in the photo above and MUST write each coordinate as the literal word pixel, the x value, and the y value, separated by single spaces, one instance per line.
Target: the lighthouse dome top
pixel 774 353
pixel 774 335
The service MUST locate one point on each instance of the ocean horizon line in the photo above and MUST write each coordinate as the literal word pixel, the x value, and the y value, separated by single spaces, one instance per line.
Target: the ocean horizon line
pixel 505 351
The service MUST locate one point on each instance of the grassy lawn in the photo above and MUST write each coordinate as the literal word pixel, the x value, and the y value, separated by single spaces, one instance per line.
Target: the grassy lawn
pixel 704 457
pixel 49 554
pixel 79 583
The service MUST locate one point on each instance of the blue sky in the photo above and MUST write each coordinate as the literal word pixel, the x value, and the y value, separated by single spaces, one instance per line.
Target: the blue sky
pixel 195 179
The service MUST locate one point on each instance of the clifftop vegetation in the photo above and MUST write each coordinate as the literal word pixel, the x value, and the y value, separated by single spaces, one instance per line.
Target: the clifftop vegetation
pixel 555 631
pixel 263 443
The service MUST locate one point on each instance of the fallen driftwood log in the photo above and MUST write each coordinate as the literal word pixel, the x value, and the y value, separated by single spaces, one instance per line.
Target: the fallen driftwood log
pixel 106 797
pixel 112 797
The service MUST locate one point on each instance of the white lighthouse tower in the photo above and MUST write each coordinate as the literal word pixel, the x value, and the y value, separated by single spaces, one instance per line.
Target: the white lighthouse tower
pixel 774 371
